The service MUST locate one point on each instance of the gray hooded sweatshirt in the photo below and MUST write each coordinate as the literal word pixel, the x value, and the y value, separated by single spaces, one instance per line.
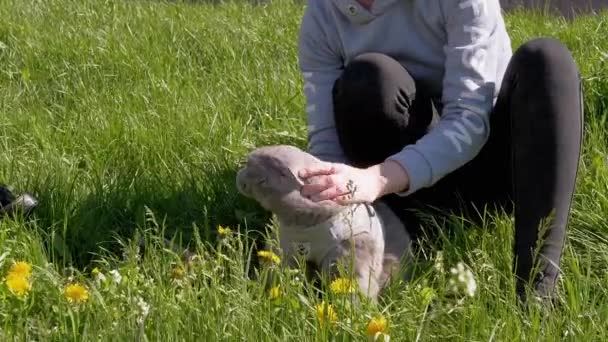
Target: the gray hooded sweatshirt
pixel 458 48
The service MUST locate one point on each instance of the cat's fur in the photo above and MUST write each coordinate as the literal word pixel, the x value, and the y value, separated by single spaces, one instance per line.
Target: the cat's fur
pixel 371 236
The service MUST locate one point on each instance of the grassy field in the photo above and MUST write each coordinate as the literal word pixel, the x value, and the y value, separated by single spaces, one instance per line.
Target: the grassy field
pixel 128 118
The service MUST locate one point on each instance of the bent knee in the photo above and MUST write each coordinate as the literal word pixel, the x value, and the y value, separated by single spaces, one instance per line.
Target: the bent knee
pixel 546 56
pixel 368 74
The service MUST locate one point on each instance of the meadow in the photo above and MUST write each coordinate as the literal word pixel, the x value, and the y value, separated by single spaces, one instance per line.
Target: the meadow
pixel 128 120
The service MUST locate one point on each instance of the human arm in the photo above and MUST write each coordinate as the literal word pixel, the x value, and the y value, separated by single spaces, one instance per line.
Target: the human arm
pixel 473 40
pixel 320 65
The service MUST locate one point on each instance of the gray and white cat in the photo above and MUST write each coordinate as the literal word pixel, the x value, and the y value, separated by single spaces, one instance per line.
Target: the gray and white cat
pixel 369 238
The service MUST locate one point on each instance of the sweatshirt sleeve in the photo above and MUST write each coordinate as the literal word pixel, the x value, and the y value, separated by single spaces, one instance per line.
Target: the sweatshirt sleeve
pixel 469 86
pixel 320 65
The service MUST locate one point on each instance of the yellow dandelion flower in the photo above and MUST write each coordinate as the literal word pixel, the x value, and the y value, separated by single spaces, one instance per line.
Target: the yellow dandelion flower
pixel 269 256
pixel 223 231
pixel 326 312
pixel 377 325
pixel 274 293
pixel 342 286
pixel 178 272
pixel 76 293
pixel 18 284
pixel 21 268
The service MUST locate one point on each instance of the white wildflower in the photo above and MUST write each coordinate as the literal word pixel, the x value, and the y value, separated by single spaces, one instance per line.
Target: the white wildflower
pixel 116 276
pixel 98 276
pixel 143 306
pixel 144 309
pixel 439 262
pixel 462 280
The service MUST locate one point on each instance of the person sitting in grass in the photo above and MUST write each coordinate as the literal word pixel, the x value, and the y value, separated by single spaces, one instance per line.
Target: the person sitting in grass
pixel 423 103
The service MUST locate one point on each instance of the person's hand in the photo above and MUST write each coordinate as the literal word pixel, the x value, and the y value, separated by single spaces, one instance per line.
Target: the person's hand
pixel 345 184
pixel 340 183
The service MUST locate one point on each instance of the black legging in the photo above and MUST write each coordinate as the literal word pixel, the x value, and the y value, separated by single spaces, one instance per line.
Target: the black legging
pixel 530 160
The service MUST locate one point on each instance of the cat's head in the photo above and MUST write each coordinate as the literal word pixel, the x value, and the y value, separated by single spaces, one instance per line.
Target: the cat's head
pixel 270 176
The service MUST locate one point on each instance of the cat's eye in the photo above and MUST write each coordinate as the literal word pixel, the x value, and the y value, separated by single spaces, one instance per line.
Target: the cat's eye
pixel 284 172
pixel 261 181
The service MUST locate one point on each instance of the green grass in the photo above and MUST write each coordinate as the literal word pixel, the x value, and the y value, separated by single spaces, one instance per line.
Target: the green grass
pixel 128 118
